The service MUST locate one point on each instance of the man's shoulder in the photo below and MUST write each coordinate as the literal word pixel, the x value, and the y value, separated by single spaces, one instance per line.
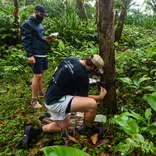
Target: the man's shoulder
pixel 26 23
pixel 72 58
pixel 29 22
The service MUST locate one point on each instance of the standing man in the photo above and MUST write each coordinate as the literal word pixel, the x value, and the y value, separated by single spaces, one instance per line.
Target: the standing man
pixel 35 46
pixel 68 92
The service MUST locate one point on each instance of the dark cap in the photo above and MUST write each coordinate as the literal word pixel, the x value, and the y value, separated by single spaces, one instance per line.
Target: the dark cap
pixel 40 8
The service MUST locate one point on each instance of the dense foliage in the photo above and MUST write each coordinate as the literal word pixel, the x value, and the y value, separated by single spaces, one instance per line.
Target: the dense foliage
pixel 129 132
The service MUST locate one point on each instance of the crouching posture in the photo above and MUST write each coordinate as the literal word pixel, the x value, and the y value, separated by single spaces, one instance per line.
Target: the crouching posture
pixel 68 92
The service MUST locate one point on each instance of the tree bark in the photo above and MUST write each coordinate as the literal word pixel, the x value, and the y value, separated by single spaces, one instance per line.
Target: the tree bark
pixel 106 48
pixel 15 14
pixel 97 11
pixel 81 9
pixel 120 25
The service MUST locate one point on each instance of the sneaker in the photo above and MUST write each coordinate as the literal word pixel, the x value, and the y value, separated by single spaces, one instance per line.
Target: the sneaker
pixel 36 104
pixel 27 137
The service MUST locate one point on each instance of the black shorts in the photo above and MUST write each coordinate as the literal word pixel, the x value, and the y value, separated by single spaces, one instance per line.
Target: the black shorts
pixel 40 65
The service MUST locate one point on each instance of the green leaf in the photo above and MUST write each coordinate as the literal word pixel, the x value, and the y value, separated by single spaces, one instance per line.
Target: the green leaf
pixel 126 80
pixel 153 71
pixel 143 79
pixel 136 82
pixel 138 137
pixel 131 142
pixel 151 99
pixel 124 148
pixel 153 124
pixel 61 45
pixel 153 131
pixel 63 150
pixel 137 116
pixel 127 124
pixel 148 114
pixel 116 44
pixel 149 88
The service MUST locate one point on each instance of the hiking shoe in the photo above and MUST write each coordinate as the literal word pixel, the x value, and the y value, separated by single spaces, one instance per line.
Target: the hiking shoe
pixel 98 130
pixel 35 104
pixel 27 137
pixel 91 130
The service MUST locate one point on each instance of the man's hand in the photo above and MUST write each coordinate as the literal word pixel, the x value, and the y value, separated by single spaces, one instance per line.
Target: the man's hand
pixel 103 92
pixel 100 96
pixel 49 39
pixel 31 60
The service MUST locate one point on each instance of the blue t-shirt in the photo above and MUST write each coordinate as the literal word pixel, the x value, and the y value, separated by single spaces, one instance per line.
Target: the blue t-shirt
pixel 71 78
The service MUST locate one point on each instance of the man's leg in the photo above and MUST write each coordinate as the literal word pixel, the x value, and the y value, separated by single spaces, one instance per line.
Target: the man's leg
pixel 89 107
pixel 56 126
pixel 30 132
pixel 35 89
pixel 40 85
pixel 86 105
pixel 44 67
pixel 37 79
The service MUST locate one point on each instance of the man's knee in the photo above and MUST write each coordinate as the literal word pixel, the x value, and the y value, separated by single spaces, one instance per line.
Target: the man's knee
pixel 63 125
pixel 37 76
pixel 93 104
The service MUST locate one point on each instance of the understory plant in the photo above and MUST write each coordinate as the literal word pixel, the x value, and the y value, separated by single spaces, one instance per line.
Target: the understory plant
pixel 136 127
pixel 133 130
pixel 62 150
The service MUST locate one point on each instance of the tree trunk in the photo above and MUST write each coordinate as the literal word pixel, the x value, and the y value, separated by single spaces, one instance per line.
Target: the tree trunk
pixel 97 11
pixel 15 14
pixel 119 28
pixel 116 17
pixel 81 9
pixel 106 48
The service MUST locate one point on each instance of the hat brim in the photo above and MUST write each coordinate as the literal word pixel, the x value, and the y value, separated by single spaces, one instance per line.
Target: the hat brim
pixel 44 14
pixel 101 71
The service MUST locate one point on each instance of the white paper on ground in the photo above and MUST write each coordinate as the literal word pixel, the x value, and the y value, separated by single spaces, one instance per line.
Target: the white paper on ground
pixel 98 118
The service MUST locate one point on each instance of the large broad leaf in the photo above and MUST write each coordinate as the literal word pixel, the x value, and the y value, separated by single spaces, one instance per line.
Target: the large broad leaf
pixel 132 114
pixel 63 151
pixel 126 80
pixel 143 79
pixel 149 88
pixel 136 82
pixel 137 116
pixel 127 124
pixel 151 99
